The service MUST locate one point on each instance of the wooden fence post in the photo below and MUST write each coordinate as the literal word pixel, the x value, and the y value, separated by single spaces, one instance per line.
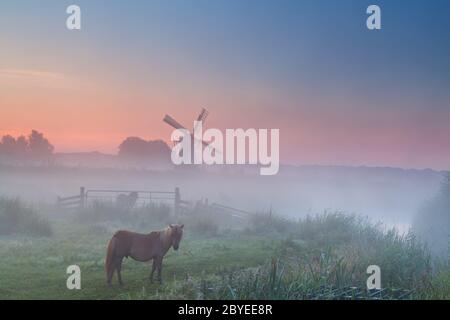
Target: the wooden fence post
pixel 177 200
pixel 82 197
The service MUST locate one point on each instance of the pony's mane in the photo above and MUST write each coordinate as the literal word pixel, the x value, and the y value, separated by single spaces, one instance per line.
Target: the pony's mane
pixel 166 232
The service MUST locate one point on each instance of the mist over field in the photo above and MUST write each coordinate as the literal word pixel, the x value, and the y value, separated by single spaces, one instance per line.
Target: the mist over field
pixel 305 220
pixel 323 224
pixel 390 195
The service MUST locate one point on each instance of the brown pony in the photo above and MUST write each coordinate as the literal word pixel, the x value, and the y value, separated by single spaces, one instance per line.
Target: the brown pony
pixel 141 247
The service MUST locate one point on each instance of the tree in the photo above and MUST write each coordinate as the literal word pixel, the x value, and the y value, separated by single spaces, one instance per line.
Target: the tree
pixel 8 145
pixel 22 147
pixel 38 145
pixel 135 147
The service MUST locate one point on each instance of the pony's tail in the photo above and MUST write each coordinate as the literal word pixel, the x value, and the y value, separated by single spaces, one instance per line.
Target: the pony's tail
pixel 110 252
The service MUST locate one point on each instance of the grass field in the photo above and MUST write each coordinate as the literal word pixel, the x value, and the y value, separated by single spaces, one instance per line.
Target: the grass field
pixel 35 268
pixel 268 258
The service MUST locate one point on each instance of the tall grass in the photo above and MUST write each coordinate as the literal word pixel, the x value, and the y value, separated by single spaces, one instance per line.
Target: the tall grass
pixel 17 218
pixel 316 256
pixel 432 222
pixel 267 222
pixel 101 211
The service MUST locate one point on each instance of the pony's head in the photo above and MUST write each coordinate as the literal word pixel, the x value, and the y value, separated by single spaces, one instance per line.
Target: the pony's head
pixel 177 234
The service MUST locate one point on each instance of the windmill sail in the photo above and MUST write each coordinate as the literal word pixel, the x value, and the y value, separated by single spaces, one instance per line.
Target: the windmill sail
pixel 201 117
pixel 175 124
pixel 172 122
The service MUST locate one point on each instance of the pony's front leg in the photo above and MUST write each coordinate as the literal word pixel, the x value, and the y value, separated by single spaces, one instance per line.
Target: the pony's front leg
pixel 153 270
pixel 159 266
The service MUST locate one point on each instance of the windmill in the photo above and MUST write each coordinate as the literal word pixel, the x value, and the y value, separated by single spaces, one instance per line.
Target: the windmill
pixel 175 124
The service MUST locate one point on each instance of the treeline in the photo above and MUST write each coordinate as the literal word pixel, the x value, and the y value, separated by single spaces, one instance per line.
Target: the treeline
pixel 35 144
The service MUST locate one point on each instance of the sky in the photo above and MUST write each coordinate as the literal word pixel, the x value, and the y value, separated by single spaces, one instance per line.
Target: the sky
pixel 339 93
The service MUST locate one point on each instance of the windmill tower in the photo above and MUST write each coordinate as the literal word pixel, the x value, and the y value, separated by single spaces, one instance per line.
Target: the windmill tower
pixel 176 125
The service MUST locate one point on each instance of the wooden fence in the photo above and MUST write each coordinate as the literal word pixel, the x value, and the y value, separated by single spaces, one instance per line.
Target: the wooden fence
pixel 72 202
pixel 80 200
pixel 180 206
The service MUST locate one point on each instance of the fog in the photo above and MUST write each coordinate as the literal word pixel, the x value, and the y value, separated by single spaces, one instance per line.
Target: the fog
pixel 392 196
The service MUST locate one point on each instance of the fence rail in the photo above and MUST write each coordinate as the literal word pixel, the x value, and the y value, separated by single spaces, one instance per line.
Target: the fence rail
pixel 221 206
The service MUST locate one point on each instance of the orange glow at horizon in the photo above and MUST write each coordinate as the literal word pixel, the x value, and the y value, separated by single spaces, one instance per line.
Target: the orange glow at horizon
pixel 79 115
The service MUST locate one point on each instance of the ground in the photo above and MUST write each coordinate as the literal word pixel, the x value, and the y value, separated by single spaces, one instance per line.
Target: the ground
pixel 35 268
pixel 274 259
